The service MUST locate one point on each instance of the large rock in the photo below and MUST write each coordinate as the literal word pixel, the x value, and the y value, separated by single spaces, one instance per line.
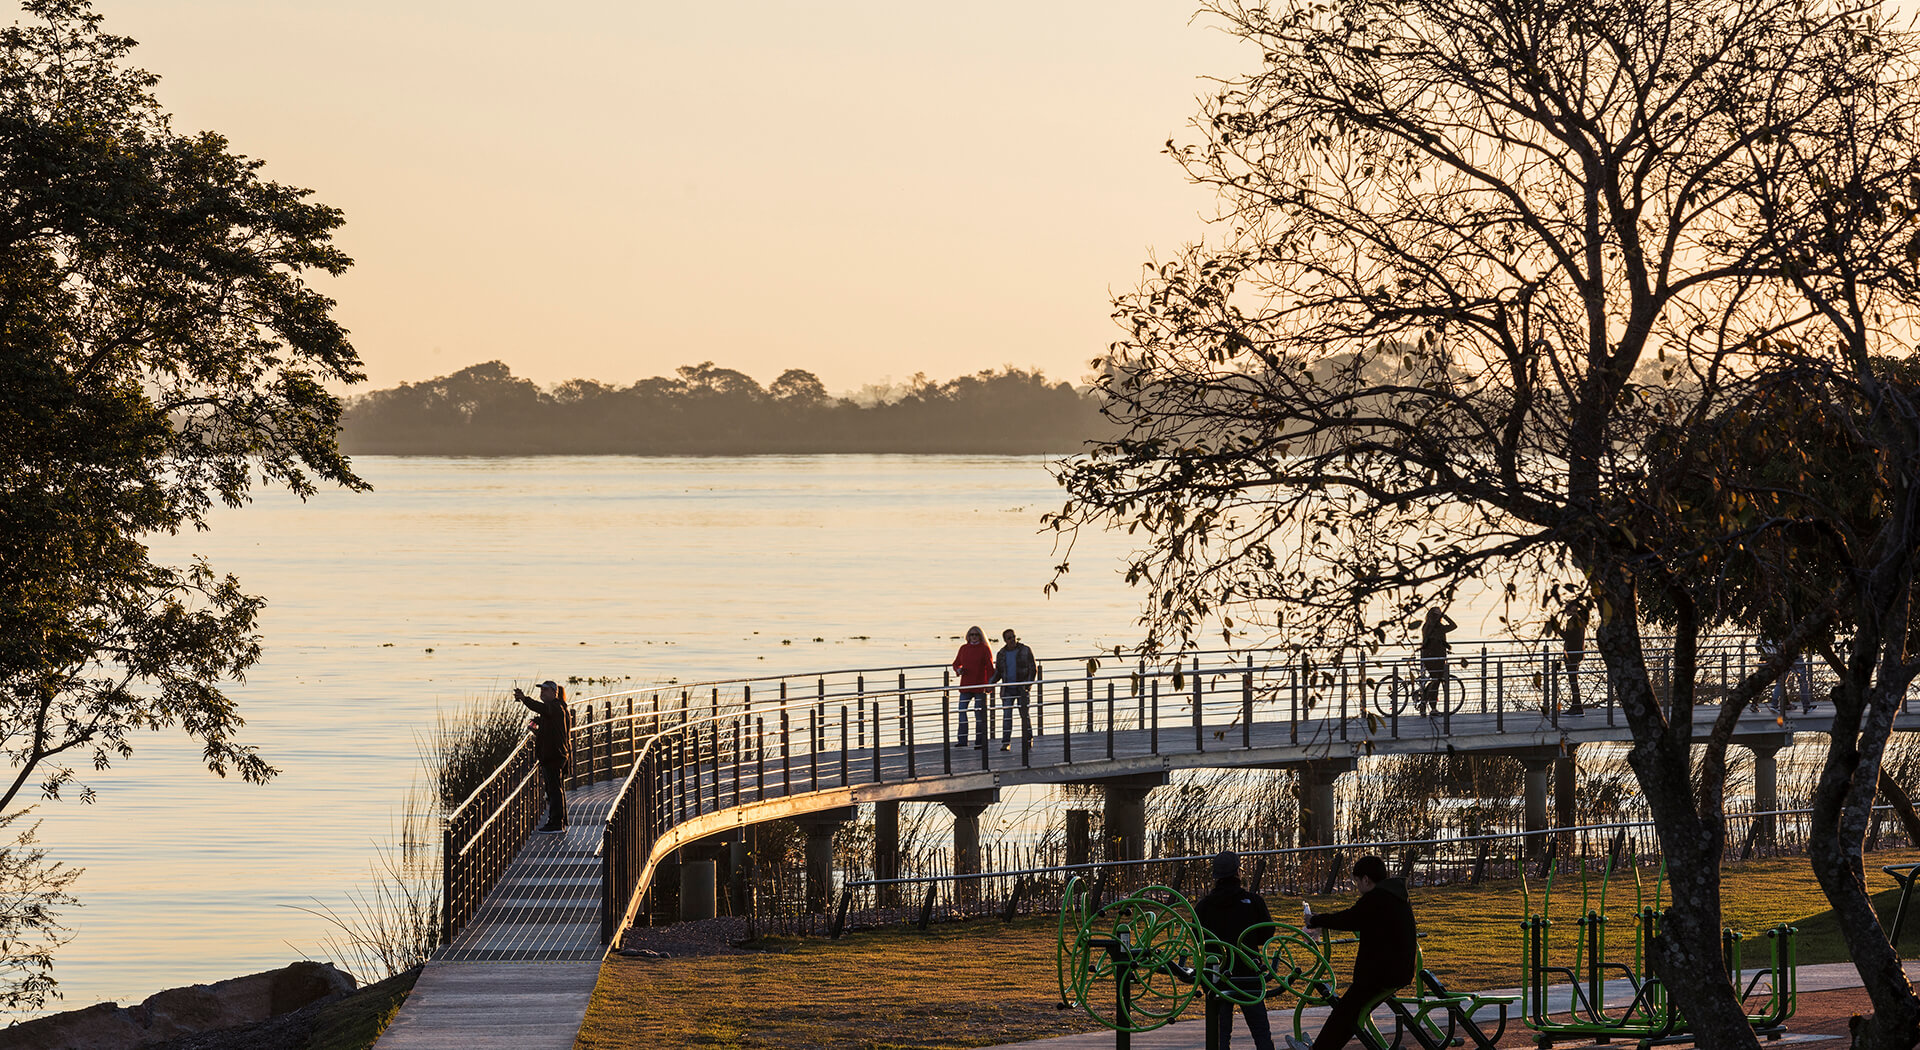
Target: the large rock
pixel 182 1011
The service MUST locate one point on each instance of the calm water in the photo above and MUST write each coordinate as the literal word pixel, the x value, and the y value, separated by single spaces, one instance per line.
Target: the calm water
pixel 458 578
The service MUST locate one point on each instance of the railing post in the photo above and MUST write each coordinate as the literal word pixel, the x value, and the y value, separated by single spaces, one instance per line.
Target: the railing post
pixel 786 755
pixel 1500 696
pixel 1199 721
pixel 1066 720
pixel 1343 701
pixel 1246 705
pixel 1154 739
pixel 1108 718
pixel 845 774
pixel 737 799
pixel 876 740
pixel 449 888
pixel 906 703
pixel 813 751
pixel 860 701
pixel 946 723
pixel 760 753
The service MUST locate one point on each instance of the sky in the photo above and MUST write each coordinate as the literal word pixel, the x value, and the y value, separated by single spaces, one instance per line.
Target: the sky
pixel 609 190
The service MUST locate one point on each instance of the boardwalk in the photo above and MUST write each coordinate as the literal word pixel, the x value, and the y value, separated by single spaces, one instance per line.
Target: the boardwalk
pixel 520 973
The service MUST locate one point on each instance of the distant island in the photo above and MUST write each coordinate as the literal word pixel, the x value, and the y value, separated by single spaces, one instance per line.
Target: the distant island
pixel 485 410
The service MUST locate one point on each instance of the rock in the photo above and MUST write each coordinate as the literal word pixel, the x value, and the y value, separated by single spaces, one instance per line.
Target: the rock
pixel 182 1011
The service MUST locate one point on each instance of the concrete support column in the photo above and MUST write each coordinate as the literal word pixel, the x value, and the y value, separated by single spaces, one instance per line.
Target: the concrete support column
pixel 1766 781
pixel 1126 822
pixel 819 829
pixel 966 808
pixel 886 849
pixel 1318 804
pixel 1536 807
pixel 1125 813
pixel 1566 795
pixel 1079 836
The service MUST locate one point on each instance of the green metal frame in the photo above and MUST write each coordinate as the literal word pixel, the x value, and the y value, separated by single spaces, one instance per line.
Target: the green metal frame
pixel 1650 1016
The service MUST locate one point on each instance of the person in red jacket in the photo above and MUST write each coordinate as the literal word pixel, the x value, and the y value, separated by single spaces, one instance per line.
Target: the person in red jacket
pixel 974 661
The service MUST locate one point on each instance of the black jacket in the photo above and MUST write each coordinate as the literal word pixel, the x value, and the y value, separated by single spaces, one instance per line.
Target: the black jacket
pixel 550 733
pixel 1227 912
pixel 1383 917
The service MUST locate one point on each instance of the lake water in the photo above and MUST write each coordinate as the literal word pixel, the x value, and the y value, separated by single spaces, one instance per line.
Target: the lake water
pixel 459 578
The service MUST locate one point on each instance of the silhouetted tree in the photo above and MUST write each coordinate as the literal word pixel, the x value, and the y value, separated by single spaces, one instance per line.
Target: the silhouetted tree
pixel 1475 261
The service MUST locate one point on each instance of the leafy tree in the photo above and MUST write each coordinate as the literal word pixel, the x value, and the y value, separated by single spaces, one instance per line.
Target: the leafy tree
pixel 159 347
pixel 1484 273
pixel 33 890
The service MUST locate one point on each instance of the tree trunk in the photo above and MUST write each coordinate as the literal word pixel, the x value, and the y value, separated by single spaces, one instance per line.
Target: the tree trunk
pixel 1842 807
pixel 1687 955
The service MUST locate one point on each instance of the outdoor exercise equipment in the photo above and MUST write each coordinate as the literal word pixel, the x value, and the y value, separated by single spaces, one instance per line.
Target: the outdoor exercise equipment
pixel 1648 1014
pixel 1135 963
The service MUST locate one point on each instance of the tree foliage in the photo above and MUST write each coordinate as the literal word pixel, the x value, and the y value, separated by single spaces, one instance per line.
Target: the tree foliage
pixel 706 410
pixel 159 348
pixel 1493 289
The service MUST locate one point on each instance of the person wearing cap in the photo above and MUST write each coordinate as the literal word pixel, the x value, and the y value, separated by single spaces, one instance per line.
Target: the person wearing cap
pixel 1227 913
pixel 1383 917
pixel 550 749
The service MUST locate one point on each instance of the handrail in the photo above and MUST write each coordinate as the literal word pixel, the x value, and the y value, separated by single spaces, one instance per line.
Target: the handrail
pixel 679 752
pixel 459 810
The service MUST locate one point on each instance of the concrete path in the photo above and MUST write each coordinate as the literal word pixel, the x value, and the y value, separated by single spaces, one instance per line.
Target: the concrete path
pixel 1190 1035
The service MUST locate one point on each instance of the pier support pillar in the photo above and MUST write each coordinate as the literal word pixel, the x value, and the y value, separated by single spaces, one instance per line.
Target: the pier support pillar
pixel 886 849
pixel 1079 836
pixel 1566 795
pixel 819 829
pixel 1317 799
pixel 966 808
pixel 1766 781
pixel 1125 817
pixel 1538 762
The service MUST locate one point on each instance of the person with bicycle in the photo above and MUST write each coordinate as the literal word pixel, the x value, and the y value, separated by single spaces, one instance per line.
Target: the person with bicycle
pixel 1433 654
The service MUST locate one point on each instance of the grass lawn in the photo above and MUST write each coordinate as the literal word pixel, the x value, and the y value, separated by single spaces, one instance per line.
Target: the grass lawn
pixel 984 983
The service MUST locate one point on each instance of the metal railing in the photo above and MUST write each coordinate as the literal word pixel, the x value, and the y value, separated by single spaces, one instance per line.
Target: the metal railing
pixel 684 751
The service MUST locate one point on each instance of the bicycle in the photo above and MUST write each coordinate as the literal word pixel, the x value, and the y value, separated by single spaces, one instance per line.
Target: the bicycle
pixel 1449 694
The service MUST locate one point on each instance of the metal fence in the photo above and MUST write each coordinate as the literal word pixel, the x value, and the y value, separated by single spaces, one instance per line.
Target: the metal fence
pixel 1291 872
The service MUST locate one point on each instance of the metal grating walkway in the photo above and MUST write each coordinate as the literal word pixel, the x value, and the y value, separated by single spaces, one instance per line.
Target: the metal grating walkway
pixel 546 907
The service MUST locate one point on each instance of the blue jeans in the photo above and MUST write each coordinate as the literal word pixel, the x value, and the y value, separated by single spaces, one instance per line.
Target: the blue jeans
pixel 978 701
pixel 1009 696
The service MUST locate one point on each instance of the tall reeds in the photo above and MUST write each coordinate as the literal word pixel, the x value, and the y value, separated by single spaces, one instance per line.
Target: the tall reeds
pixel 393 924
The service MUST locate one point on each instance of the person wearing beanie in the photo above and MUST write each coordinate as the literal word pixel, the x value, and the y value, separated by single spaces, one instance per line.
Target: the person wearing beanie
pixel 1227 913
pixel 1383 917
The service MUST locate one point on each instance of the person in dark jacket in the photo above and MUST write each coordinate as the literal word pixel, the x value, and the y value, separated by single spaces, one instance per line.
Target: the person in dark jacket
pixel 1016 667
pixel 550 749
pixel 1227 913
pixel 1383 917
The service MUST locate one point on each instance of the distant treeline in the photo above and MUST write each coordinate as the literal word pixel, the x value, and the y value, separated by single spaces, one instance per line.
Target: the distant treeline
pixel 704 410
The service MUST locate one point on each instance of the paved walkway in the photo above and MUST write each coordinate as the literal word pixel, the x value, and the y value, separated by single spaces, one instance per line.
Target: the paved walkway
pixel 520 973
pixel 1190 1035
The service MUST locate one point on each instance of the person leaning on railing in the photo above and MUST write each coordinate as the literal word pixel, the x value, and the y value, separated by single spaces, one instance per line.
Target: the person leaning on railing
pixel 550 725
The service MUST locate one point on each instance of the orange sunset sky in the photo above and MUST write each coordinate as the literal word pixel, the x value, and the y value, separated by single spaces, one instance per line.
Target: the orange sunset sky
pixel 608 190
